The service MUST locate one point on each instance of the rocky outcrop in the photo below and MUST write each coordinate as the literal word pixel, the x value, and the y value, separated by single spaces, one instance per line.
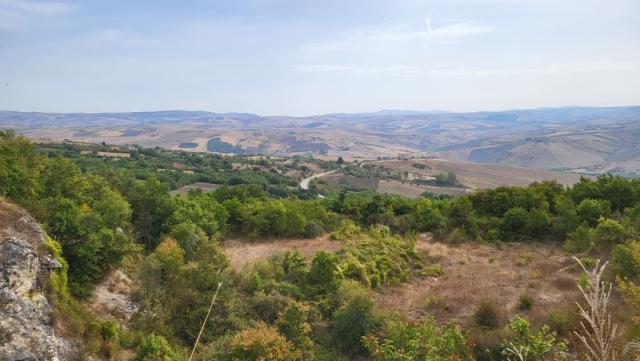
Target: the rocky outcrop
pixel 27 329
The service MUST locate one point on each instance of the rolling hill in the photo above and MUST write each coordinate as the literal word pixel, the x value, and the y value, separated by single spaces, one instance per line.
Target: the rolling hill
pixel 580 139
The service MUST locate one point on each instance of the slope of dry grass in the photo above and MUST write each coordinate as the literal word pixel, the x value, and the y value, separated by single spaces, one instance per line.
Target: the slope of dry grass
pixel 475 272
pixel 242 253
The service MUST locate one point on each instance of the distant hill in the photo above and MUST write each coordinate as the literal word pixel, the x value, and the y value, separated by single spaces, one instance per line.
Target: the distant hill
pixel 583 139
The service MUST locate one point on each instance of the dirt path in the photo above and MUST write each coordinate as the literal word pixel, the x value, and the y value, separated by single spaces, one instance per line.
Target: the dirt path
pixel 473 272
pixel 242 253
pixel 304 184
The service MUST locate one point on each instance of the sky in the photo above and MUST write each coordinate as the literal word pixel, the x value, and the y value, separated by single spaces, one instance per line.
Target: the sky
pixel 300 57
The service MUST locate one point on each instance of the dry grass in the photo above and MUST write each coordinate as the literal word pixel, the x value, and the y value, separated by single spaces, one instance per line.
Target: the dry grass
pixel 598 333
pixel 242 253
pixel 414 191
pixel 475 272
pixel 481 176
pixel 112 297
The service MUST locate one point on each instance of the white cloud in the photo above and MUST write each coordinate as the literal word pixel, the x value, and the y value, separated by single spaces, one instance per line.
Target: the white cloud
pixel 365 38
pixel 17 14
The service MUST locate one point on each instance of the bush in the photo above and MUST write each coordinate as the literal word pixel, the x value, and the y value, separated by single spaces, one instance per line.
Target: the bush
pixel 527 345
pixel 419 341
pixel 590 210
pixel 313 230
pixel 487 315
pixel 525 302
pixel 581 240
pixel 378 261
pixel 354 318
pixel 626 259
pixel 564 321
pixel 433 270
pixel 261 342
pixel 155 348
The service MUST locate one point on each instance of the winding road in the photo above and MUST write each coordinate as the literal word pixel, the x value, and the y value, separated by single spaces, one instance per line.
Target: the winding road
pixel 304 184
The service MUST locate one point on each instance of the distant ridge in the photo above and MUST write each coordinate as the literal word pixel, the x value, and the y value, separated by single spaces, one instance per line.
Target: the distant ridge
pixel 581 139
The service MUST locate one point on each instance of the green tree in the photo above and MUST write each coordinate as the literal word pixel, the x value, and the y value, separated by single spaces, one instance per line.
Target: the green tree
pixel 151 207
pixel 514 222
pixel 354 318
pixel 20 166
pixel 590 211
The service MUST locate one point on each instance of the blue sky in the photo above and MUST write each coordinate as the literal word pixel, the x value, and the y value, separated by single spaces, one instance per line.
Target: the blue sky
pixel 304 57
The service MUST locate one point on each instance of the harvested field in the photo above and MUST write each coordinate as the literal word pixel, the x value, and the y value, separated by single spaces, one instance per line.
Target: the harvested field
pixel 473 272
pixel 414 191
pixel 351 181
pixel 205 187
pixel 242 253
pixel 481 176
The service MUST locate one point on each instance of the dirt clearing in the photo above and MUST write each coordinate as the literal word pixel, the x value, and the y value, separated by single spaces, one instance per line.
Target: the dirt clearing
pixel 242 253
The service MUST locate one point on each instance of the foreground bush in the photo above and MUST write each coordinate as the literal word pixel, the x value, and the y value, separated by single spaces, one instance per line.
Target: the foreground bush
pixel 419 341
pixel 262 342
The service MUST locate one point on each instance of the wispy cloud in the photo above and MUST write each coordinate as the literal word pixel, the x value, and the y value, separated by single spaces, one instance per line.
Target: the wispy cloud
pixel 393 35
pixel 434 71
pixel 17 14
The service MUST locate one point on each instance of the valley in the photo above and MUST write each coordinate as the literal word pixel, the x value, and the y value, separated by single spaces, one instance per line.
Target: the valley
pixel 575 139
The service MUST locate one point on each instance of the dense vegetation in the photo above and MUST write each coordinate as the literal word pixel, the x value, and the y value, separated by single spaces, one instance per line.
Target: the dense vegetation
pixel 118 213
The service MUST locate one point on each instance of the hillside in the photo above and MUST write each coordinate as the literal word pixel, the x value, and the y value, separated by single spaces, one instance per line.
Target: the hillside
pixel 242 264
pixel 592 140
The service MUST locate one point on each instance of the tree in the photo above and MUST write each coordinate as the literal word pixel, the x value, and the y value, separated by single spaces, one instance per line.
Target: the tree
pixel 514 222
pixel 151 207
pixel 590 210
pixel 427 217
pixel 324 275
pixel 340 160
pixel 20 166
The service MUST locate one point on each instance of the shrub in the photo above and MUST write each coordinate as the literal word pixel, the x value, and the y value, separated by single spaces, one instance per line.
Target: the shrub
pixel 487 344
pixel 354 318
pixel 293 323
pixel 346 230
pixel 564 321
pixel 626 259
pixel 609 232
pixel 155 348
pixel 378 261
pixel 487 315
pixel 419 341
pixel 590 210
pixel 580 240
pixel 435 303
pixel 312 229
pixel 261 342
pixel 433 270
pixel 527 345
pixel 525 302
pixel 525 259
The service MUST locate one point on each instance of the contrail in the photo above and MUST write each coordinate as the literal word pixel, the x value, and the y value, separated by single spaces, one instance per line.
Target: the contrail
pixel 427 20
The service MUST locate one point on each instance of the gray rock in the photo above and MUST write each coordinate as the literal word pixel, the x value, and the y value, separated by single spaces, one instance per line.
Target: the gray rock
pixel 27 330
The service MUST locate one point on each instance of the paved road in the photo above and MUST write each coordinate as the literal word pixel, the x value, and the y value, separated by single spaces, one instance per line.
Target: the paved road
pixel 304 184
